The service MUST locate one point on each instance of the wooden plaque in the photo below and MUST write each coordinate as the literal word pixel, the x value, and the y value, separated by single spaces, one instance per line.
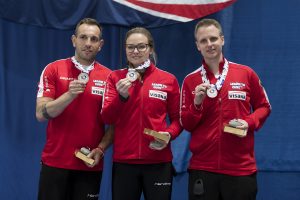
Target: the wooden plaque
pixel 235 131
pixel 83 157
pixel 156 134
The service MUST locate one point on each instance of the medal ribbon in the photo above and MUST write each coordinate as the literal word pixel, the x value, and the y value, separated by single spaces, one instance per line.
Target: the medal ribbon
pixel 85 69
pixel 141 67
pixel 220 79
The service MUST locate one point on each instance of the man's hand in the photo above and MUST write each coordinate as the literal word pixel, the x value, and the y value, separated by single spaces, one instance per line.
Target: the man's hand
pixel 96 154
pixel 242 124
pixel 76 87
pixel 200 93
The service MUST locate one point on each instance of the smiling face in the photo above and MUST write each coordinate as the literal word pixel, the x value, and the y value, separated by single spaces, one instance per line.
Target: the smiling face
pixel 210 42
pixel 87 43
pixel 138 49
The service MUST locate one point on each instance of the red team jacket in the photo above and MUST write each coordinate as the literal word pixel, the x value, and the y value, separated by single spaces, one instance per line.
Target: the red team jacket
pixel 80 124
pixel 241 96
pixel 151 100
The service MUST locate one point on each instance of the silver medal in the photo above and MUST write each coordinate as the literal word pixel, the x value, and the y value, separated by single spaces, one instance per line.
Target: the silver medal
pixel 132 76
pixel 84 77
pixel 85 150
pixel 212 92
pixel 156 145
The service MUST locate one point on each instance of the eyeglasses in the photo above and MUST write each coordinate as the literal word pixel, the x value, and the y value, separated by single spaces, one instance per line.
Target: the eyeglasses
pixel 140 47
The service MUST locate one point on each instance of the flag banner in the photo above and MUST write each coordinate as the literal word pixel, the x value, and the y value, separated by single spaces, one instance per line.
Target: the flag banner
pixel 148 13
pixel 178 10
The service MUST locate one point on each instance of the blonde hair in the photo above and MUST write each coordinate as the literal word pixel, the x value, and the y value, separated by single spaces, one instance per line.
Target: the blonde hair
pixel 208 22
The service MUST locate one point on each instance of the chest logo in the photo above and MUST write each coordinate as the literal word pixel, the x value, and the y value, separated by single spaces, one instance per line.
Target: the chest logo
pixel 239 95
pixel 97 91
pixel 237 85
pixel 158 86
pixel 99 82
pixel 66 78
pixel 158 94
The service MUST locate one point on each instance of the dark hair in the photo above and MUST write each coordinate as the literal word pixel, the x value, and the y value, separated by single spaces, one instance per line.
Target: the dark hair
pixel 88 21
pixel 146 33
pixel 208 22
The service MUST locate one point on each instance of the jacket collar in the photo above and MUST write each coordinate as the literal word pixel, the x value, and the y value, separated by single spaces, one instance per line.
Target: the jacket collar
pixel 208 72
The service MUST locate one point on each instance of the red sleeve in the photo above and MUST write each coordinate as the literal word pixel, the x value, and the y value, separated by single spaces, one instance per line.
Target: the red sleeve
pixel 259 102
pixel 112 103
pixel 46 87
pixel 173 110
pixel 190 115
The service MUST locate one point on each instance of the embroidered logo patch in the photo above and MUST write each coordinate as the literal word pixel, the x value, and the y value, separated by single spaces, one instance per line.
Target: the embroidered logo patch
pixel 237 95
pixel 98 91
pixel 99 82
pixel 237 85
pixel 158 94
pixel 158 86
pixel 66 78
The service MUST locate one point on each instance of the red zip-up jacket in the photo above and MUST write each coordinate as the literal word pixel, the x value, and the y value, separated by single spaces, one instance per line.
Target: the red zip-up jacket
pixel 212 149
pixel 80 124
pixel 151 100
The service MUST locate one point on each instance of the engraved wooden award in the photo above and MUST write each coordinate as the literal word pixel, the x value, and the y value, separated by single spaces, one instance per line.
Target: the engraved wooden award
pixel 156 135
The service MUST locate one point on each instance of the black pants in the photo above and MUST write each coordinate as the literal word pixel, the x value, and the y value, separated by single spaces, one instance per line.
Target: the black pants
pixel 221 187
pixel 130 180
pixel 63 184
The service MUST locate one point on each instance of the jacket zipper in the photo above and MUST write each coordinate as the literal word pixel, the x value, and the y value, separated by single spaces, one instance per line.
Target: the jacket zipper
pixel 141 120
pixel 220 131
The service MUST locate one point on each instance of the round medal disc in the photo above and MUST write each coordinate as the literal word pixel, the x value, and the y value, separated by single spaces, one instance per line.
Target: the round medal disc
pixel 84 77
pixel 132 76
pixel 212 92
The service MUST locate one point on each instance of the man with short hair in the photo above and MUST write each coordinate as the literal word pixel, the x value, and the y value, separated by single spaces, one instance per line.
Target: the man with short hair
pixel 70 98
pixel 222 104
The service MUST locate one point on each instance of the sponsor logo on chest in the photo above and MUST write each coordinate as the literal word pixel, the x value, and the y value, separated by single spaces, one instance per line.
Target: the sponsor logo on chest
pixel 158 94
pixel 97 90
pixel 158 86
pixel 239 95
pixel 99 82
pixel 237 85
pixel 66 78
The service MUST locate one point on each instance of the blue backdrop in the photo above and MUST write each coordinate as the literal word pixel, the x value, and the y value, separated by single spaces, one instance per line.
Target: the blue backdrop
pixel 261 34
